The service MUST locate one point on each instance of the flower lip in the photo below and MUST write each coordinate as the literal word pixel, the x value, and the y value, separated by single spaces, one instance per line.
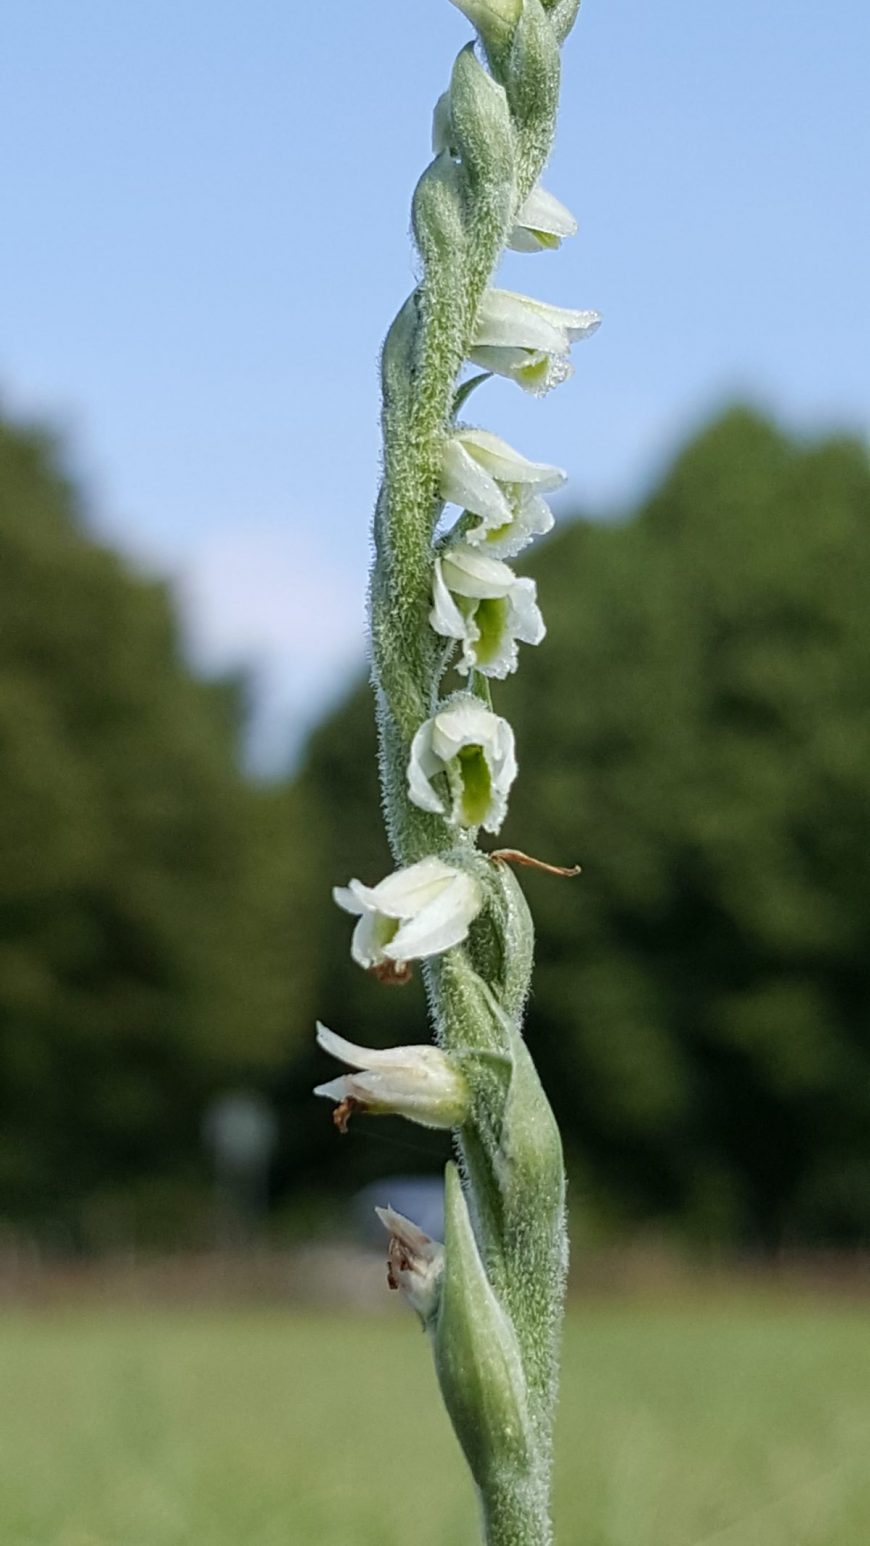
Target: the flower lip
pixel 532 517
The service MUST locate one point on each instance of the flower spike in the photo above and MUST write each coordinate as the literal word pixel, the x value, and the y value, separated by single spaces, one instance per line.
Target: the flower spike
pixel 491 1297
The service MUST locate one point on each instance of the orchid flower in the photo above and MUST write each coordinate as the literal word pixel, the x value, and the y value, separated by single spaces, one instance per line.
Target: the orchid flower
pixel 479 601
pixel 484 475
pixel 420 1083
pixel 527 340
pixel 474 748
pixel 415 912
pixel 541 223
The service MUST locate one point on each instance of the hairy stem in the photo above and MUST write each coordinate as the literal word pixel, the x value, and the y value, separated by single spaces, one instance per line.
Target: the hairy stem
pixel 502 125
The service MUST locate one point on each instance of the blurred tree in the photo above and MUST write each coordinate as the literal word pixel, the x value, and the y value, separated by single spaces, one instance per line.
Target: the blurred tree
pixel 146 954
pixel 696 730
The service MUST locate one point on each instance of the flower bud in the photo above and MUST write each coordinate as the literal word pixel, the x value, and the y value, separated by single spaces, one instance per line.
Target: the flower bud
pixel 437 214
pixel 481 131
pixel 420 1083
pixel 442 126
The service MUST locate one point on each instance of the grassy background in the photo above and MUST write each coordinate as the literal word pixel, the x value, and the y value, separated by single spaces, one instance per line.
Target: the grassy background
pixel 742 1422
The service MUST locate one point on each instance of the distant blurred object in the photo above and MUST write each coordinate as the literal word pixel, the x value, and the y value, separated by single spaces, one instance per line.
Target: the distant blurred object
pixel 240 1130
pixel 420 1198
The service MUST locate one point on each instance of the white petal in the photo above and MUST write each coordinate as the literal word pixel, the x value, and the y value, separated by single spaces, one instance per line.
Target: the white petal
pixel 507 465
pixel 435 1096
pixel 503 770
pixel 508 320
pixel 536 371
pixel 468 572
pixel 464 722
pixel 532 518
pixel 409 1234
pixel 347 898
pixel 543 213
pixel 445 616
pixel 526 621
pixel 423 765
pixel 336 1089
pixel 439 925
pixel 574 324
pixel 465 482
pixel 372 932
pixel 405 892
pixel 358 1057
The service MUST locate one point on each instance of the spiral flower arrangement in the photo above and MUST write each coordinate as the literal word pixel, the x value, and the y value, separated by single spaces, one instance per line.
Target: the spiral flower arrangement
pixel 491 1295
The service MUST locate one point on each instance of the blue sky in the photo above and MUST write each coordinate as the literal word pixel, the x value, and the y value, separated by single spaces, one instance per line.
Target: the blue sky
pixel 205 236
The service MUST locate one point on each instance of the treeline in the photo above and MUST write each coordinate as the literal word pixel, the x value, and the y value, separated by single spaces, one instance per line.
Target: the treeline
pixel 145 955
pixel 696 732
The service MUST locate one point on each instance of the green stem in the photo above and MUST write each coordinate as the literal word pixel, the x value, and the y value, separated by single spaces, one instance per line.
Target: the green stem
pixel 516 1514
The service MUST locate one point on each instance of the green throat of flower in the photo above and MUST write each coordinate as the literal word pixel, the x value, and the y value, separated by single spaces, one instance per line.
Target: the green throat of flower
pixel 490 619
pixel 476 785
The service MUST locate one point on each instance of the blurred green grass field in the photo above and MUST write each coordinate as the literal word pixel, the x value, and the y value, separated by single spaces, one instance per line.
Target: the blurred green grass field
pixel 735 1423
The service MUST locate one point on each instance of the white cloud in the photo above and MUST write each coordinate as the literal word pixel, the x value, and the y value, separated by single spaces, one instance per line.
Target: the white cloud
pixel 278 604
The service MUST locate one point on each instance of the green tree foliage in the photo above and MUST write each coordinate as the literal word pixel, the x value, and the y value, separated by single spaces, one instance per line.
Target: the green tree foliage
pixel 145 942
pixel 699 725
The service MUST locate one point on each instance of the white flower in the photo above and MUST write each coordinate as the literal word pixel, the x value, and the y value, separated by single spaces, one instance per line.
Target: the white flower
pixel 532 518
pixel 415 1263
pixel 479 601
pixel 541 223
pixel 484 475
pixel 420 1083
pixel 419 911
pixel 474 748
pixel 527 340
